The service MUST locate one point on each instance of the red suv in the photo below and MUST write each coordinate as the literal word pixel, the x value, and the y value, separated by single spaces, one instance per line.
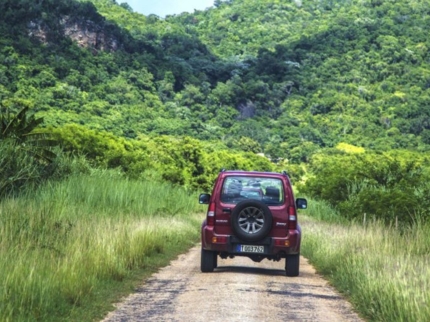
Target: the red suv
pixel 252 214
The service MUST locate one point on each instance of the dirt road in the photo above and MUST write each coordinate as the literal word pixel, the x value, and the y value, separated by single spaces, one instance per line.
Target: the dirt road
pixel 238 290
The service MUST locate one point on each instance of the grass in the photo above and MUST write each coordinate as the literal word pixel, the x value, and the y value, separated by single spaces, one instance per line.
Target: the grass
pixel 75 247
pixel 384 271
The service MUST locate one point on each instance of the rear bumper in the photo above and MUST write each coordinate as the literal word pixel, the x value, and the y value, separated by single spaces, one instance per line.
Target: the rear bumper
pixel 273 246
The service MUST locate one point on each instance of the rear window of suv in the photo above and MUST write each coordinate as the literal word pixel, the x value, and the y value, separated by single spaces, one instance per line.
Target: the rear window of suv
pixel 238 188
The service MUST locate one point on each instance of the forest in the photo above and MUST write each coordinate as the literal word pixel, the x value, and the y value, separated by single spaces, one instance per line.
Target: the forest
pixel 306 86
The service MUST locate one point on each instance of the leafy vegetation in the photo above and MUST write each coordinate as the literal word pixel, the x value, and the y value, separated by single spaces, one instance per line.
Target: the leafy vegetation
pixel 388 186
pixel 184 161
pixel 26 154
pixel 287 77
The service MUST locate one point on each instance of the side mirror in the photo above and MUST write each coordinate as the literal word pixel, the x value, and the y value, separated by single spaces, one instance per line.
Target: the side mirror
pixel 301 203
pixel 204 198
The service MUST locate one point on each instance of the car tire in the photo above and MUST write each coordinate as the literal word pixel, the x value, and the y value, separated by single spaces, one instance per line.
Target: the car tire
pixel 292 264
pixel 251 220
pixel 215 259
pixel 208 261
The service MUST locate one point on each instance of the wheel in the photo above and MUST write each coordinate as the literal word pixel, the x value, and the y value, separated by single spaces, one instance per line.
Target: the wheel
pixel 292 263
pixel 215 260
pixel 208 261
pixel 251 220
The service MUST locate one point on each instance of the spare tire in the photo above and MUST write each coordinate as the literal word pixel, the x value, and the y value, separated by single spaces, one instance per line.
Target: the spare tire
pixel 251 220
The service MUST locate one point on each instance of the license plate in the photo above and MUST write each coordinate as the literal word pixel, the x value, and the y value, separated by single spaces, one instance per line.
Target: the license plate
pixel 250 249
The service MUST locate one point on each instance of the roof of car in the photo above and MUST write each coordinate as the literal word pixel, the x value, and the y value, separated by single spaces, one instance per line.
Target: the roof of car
pixel 253 173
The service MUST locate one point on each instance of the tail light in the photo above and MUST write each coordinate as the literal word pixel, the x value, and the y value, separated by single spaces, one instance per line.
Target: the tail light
pixel 210 217
pixel 292 218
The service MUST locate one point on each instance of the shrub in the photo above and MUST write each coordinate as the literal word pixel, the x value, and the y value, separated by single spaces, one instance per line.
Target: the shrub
pixel 386 186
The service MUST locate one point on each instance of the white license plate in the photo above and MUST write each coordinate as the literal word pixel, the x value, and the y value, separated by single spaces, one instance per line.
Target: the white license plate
pixel 250 249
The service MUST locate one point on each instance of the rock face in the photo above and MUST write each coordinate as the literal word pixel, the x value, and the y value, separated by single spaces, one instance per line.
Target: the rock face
pixel 85 33
pixel 36 30
pixel 88 34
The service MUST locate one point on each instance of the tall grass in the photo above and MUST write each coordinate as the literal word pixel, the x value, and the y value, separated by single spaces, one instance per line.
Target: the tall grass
pixel 384 271
pixel 58 246
pixel 322 210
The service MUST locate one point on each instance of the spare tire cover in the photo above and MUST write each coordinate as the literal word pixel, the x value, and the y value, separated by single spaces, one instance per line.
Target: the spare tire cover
pixel 251 220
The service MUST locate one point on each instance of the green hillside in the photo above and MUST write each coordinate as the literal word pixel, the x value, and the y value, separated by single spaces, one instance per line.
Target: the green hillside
pixel 286 77
pixel 358 70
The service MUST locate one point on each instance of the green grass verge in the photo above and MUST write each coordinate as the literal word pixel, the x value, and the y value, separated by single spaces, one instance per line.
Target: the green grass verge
pixel 73 248
pixel 383 271
pixel 113 291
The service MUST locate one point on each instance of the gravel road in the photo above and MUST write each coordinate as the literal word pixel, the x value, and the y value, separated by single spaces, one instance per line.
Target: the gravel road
pixel 238 290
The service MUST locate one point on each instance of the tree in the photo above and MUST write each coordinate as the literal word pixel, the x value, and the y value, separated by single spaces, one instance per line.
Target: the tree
pixel 126 6
pixel 23 128
pixel 25 149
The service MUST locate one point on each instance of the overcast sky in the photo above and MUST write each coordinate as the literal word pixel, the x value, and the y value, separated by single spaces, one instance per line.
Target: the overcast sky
pixel 167 7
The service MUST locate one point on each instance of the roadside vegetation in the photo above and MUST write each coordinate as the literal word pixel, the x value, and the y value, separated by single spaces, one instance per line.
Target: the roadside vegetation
pixel 383 270
pixel 388 186
pixel 367 229
pixel 71 247
pixel 85 215
pixel 103 212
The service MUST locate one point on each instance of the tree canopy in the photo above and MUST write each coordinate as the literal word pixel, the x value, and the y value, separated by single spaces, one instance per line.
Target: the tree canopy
pixel 289 78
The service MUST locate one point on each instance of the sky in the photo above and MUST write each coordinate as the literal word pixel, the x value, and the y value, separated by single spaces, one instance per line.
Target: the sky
pixel 167 7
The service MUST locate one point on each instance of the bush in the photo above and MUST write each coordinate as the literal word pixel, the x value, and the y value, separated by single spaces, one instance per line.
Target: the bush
pixel 388 204
pixel 386 186
pixel 183 161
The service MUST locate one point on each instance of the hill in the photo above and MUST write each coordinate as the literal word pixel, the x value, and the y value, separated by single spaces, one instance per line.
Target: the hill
pixel 286 78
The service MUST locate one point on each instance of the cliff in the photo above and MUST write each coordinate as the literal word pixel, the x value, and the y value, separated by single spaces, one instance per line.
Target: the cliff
pixel 86 33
